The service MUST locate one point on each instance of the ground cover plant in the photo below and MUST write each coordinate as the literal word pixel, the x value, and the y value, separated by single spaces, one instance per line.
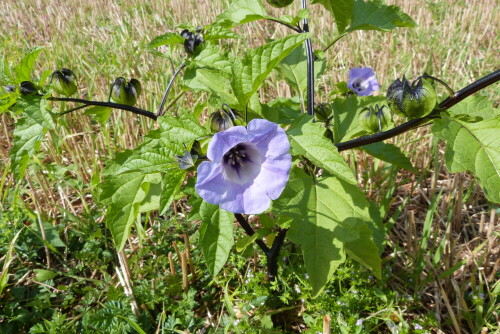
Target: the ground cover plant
pixel 248 168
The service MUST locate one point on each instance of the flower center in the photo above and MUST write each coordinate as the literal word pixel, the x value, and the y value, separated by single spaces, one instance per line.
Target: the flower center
pixel 359 84
pixel 241 164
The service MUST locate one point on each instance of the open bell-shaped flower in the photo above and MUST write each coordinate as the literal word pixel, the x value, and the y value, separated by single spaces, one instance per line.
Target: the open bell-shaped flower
pixel 63 82
pixel 125 92
pixel 362 81
pixel 248 167
pixel 411 100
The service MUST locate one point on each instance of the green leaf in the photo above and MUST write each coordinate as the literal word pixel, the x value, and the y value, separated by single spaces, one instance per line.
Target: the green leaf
pixel 171 185
pixel 330 218
pixel 166 39
pixel 376 16
pixel 341 10
pixel 42 275
pixel 240 12
pixel 124 194
pixel 216 236
pixel 217 32
pixel 294 69
pixel 353 15
pixel 475 106
pixel 100 113
pixel 212 57
pixel 7 100
pixel 183 129
pixel 473 147
pixel 36 108
pixel 25 67
pixel 27 137
pixel 282 110
pixel 250 72
pixel 389 153
pixel 210 80
pixel 345 115
pixel 311 143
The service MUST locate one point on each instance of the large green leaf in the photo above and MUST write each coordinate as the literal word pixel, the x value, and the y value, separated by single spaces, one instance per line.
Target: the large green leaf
pixel 166 39
pixel 294 69
pixel 310 142
pixel 210 80
pixel 25 67
pixel 353 15
pixel 473 147
pixel 216 236
pixel 7 100
pixel 389 153
pixel 250 72
pixel 124 194
pixel 36 108
pixel 27 137
pixel 330 217
pixel 282 110
pixel 171 184
pixel 240 12
pixel 372 15
pixel 341 10
pixel 475 106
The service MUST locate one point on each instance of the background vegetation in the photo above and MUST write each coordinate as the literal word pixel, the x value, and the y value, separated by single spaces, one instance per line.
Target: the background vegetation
pixel 441 260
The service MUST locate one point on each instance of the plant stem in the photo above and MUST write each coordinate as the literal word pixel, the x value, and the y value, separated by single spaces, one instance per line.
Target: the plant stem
pixel 274 252
pixel 335 41
pixel 106 104
pixel 414 123
pixel 169 87
pixel 310 65
pixel 249 231
pixel 296 29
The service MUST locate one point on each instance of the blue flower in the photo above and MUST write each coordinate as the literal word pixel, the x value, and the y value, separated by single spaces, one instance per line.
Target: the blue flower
pixel 248 167
pixel 362 81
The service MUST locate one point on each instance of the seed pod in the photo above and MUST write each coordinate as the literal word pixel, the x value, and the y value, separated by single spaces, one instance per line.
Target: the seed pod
pixel 63 82
pixel 125 92
pixel 323 112
pixel 411 100
pixel 279 3
pixel 27 88
pixel 220 121
pixel 374 120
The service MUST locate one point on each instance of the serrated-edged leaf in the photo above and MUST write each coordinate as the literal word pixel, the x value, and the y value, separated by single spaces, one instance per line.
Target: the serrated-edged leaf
pixel 282 110
pixel 294 20
pixel 25 67
pixel 389 153
pixel 475 106
pixel 100 113
pixel 27 137
pixel 377 16
pixel 170 186
pixel 123 195
pixel 166 39
pixel 250 72
pixel 216 236
pixel 473 147
pixel 329 216
pixel 182 129
pixel 210 80
pixel 217 32
pixel 294 69
pixel 36 108
pixel 212 57
pixel 319 150
pixel 341 10
pixel 345 115
pixel 7 100
pixel 240 12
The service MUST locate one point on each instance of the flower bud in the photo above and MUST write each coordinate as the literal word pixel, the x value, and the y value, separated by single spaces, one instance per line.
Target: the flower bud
pixel 279 3
pixel 220 121
pixel 411 100
pixel 125 92
pixel 63 82
pixel 191 40
pixel 323 112
pixel 374 120
pixel 9 88
pixel 27 88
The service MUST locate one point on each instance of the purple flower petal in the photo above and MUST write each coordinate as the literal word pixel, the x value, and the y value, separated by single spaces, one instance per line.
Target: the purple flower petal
pixel 362 81
pixel 249 167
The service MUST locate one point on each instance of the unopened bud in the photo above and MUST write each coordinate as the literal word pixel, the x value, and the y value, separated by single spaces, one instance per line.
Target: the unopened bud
pixel 125 92
pixel 411 100
pixel 63 82
pixel 191 40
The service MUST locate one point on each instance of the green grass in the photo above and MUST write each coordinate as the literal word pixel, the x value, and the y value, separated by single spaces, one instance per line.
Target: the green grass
pixel 441 260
